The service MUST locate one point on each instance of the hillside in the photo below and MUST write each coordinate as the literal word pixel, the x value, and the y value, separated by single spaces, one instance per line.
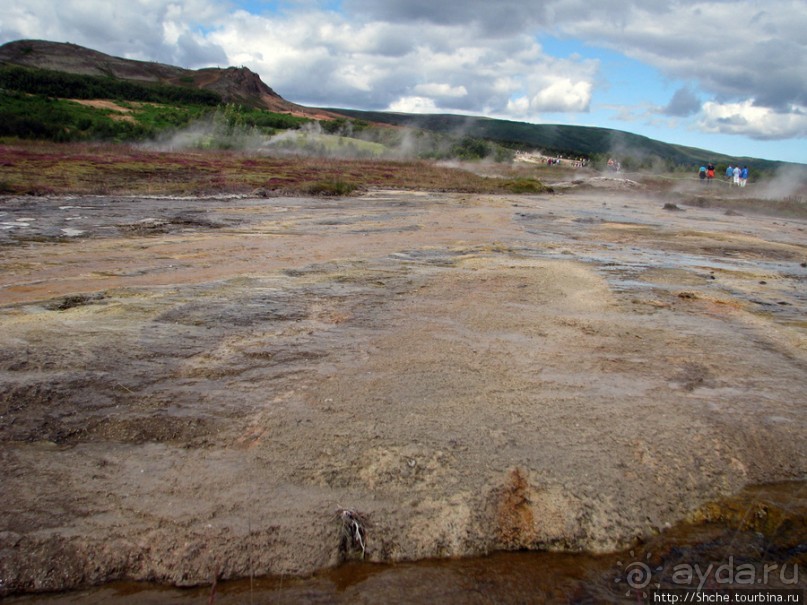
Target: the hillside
pixel 232 84
pixel 239 85
pixel 557 138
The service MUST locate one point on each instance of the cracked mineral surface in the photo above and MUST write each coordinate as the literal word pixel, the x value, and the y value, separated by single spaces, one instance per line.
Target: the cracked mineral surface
pixel 191 388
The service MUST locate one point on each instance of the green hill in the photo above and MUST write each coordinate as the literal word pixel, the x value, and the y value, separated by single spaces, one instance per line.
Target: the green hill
pixel 58 106
pixel 46 89
pixel 558 139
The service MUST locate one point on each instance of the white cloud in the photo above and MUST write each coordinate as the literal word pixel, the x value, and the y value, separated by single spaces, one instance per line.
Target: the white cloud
pixel 520 106
pixel 153 30
pixel 173 27
pixel 731 51
pixel 735 51
pixel 413 105
pixel 756 122
pixel 563 95
pixel 324 59
pixel 320 57
pixel 440 90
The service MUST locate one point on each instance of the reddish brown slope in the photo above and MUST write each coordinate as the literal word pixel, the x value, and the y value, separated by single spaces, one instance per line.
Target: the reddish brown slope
pixel 234 84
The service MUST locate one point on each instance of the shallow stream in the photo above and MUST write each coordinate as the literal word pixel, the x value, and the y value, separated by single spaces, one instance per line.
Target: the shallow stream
pixel 756 540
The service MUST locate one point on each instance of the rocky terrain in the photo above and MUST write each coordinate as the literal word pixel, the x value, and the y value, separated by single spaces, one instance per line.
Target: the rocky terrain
pixel 198 388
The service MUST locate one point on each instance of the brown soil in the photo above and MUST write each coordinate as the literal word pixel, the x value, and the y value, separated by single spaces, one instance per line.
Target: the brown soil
pixel 117 112
pixel 192 388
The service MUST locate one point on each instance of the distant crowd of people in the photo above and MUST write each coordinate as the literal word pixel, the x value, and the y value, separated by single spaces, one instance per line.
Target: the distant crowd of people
pixel 575 163
pixel 734 174
pixel 559 160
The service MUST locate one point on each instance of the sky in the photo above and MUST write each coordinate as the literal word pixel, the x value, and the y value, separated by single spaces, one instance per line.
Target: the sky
pixel 727 76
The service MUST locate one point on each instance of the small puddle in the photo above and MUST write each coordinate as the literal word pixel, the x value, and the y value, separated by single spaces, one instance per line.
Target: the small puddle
pixel 755 540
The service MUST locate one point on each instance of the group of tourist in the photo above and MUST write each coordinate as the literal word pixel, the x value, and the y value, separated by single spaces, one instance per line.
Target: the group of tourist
pixel 737 176
pixel 707 173
pixel 734 174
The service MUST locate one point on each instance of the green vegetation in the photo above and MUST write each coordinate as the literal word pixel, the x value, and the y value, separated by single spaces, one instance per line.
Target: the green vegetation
pixel 525 186
pixel 35 117
pixel 43 104
pixel 72 86
pixel 64 107
pixel 334 187
pixel 305 142
pixel 237 127
pixel 155 118
pixel 596 144
pixel 344 127
pixel 469 148
pixel 265 121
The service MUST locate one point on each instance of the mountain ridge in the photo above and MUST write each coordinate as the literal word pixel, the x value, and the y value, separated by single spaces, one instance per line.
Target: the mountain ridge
pixel 233 84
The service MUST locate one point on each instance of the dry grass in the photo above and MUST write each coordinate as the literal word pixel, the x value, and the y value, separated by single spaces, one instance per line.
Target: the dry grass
pixel 37 168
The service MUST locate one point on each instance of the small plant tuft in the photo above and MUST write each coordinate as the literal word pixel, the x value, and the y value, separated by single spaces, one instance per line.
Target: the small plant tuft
pixel 526 186
pixel 336 187
pixel 353 531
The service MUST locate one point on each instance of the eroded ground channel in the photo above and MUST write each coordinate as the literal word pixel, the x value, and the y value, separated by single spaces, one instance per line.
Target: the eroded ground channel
pixel 192 388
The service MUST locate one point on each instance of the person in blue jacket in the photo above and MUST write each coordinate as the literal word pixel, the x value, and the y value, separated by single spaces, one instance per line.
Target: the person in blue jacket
pixel 744 176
